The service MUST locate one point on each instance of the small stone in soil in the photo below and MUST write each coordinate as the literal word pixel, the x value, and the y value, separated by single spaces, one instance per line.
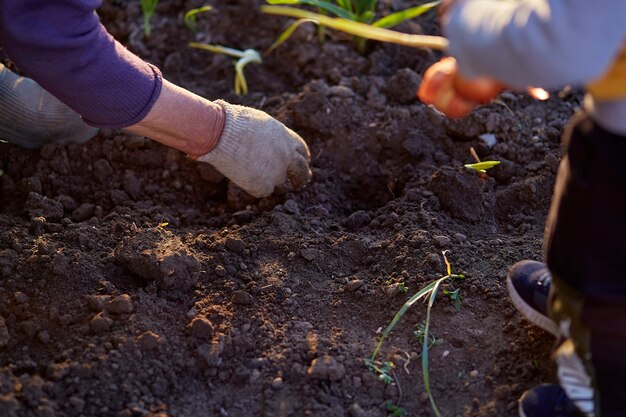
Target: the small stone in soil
pixel 201 328
pixel 44 337
pixel 353 285
pixel 21 298
pixel 243 298
pixel 326 368
pixel 392 290
pixel 277 383
pixel 148 340
pixel 100 323
pixel 309 254
pixel 121 304
pixel 442 241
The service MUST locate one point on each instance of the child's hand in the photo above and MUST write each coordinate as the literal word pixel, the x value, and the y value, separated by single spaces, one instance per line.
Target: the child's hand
pixel 444 88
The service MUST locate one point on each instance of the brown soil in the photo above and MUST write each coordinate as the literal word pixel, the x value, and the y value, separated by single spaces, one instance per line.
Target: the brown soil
pixel 245 307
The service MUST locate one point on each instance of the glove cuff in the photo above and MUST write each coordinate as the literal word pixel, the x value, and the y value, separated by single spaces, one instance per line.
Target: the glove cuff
pixel 235 127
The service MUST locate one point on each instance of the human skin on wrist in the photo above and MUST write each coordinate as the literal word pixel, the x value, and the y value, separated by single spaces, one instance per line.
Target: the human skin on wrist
pixel 182 120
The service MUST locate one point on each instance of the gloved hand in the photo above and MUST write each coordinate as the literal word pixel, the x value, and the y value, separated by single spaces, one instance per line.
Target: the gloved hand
pixel 31 117
pixel 259 153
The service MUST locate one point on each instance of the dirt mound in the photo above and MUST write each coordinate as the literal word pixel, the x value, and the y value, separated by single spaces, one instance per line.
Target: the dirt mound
pixel 134 282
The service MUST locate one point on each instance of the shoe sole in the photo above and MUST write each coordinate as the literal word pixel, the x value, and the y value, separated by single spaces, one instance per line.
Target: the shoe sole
pixel 520 409
pixel 530 313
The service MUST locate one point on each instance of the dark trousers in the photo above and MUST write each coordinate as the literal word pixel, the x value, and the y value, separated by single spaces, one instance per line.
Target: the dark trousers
pixel 586 253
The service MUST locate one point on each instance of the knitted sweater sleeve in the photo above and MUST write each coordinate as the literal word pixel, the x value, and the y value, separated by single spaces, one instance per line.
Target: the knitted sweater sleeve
pixel 62 45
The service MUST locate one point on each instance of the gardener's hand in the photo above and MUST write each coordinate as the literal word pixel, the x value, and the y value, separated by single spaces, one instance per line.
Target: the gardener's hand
pixel 444 87
pixel 259 153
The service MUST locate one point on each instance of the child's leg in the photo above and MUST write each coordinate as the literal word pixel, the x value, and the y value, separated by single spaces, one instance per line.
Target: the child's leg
pixel 586 253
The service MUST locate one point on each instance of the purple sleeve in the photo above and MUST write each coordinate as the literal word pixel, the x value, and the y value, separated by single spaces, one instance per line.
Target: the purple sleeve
pixel 62 45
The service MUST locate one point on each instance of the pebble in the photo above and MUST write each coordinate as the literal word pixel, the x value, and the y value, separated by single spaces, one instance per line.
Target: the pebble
pixel 489 139
pixel 100 323
pixel 277 383
pixel 102 170
pixel 96 303
pixel 434 260
pixel 21 298
pixel 83 212
pixel 259 363
pixel 44 337
pixel 29 328
pixel 460 237
pixel 255 376
pixel 291 207
pixel 243 298
pixel 148 340
pixel 220 271
pixel 77 403
pixel 392 290
pixel 326 368
pixel 353 285
pixel 442 241
pixel 309 254
pixel 552 161
pixel 122 304
pixel 356 410
pixel 473 373
pixel 201 328
pixel 235 245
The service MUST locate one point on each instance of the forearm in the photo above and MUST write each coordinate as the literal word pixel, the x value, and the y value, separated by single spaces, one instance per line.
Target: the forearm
pixel 530 42
pixel 62 45
pixel 195 131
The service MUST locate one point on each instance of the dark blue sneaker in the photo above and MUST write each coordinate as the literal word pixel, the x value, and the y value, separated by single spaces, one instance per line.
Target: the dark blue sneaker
pixel 549 400
pixel 529 286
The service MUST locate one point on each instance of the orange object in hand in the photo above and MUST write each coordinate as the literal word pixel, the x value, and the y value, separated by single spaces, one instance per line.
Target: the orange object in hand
pixel 443 87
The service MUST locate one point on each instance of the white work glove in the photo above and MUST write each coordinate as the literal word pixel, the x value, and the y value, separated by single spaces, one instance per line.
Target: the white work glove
pixel 30 117
pixel 259 153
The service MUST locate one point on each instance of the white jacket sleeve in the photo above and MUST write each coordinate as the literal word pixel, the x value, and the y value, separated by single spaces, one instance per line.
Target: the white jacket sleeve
pixel 543 43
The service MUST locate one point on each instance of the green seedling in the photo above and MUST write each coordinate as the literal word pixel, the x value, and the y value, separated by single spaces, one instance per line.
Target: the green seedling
pixel 394 410
pixel 480 166
pixel 402 287
pixel 356 17
pixel 243 59
pixel 428 292
pixel 483 166
pixel 420 336
pixel 454 297
pixel 190 17
pixel 382 369
pixel 147 8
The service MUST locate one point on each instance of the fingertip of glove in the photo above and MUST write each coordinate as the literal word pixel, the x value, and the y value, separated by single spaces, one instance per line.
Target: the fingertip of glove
pixel 299 172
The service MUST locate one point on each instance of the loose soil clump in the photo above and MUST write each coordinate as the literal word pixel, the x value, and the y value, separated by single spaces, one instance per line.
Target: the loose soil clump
pixel 135 282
